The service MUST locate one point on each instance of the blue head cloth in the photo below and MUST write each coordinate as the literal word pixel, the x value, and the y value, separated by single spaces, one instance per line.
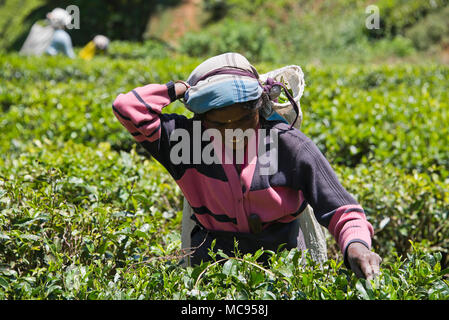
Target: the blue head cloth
pixel 221 81
pixel 223 91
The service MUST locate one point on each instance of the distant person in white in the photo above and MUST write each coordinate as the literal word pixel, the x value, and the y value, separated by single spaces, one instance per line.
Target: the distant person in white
pixel 50 37
pixel 61 41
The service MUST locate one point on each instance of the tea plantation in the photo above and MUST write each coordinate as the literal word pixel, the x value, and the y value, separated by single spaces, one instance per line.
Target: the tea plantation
pixel 85 214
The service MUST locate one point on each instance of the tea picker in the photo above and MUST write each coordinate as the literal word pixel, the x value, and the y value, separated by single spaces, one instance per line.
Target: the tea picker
pixel 50 37
pixel 311 235
pixel 240 200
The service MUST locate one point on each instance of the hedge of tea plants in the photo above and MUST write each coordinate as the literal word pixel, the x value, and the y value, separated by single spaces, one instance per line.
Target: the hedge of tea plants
pixel 86 214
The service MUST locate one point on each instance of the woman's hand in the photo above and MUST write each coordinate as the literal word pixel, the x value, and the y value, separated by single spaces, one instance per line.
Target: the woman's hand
pixel 180 89
pixel 363 262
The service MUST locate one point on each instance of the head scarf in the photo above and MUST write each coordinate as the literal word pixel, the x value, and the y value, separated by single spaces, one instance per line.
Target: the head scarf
pixel 101 41
pixel 227 79
pixel 59 18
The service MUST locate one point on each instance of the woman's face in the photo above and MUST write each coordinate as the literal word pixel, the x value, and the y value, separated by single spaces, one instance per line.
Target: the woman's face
pixel 232 117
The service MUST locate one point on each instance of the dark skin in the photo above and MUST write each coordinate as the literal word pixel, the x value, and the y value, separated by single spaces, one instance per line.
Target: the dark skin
pixel 231 117
pixel 363 262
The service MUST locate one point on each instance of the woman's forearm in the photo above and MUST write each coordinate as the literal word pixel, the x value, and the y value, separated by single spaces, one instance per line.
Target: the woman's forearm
pixel 139 110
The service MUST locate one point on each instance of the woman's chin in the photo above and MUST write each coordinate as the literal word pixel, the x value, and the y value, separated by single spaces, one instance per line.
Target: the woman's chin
pixel 236 144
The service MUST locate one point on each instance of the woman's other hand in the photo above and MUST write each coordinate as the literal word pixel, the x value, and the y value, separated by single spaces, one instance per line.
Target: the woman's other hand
pixel 363 262
pixel 181 88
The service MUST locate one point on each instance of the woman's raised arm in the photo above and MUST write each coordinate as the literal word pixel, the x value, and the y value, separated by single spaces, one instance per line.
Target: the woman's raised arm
pixel 140 112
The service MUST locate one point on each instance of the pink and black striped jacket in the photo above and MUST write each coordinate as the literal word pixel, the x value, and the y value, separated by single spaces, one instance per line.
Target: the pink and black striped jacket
pixel 222 199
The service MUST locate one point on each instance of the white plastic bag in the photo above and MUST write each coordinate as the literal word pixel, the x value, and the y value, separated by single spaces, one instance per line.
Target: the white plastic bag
pixel 37 40
pixel 293 78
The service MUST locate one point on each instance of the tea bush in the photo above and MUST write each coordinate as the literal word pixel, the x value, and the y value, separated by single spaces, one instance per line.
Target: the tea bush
pixel 131 50
pixel 393 114
pixel 85 214
pixel 402 206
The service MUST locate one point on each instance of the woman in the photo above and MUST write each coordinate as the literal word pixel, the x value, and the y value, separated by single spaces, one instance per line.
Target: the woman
pixel 61 41
pixel 237 197
pixel 98 45
pixel 49 36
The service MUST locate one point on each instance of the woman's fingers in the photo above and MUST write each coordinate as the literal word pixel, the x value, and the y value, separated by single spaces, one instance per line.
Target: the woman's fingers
pixel 364 263
pixel 376 260
pixel 367 269
pixel 180 88
pixel 370 265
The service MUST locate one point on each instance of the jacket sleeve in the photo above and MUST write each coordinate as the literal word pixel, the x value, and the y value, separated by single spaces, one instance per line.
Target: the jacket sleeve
pixel 333 206
pixel 140 112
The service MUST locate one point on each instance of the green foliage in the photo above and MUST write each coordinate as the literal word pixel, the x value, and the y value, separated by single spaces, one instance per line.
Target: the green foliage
pixel 13 23
pixel 393 114
pixel 236 7
pixel 431 30
pixel 279 31
pixel 68 209
pixel 398 15
pixel 402 206
pixel 252 40
pixel 216 8
pixel 132 50
pixel 85 215
pixel 30 114
pixel 285 31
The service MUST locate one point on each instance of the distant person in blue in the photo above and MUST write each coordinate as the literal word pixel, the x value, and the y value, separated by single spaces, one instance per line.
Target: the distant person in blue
pixel 49 36
pixel 61 41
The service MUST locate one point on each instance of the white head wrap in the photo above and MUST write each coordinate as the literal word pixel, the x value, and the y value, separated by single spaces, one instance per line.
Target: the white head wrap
pixel 101 42
pixel 59 18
